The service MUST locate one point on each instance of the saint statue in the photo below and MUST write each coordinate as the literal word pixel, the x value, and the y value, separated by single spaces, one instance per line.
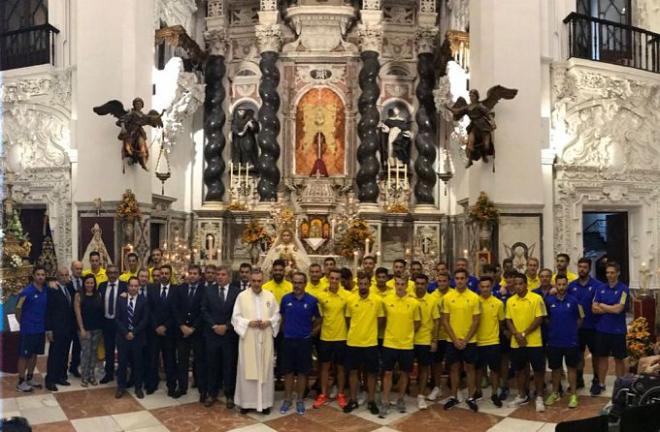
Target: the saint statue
pixel 244 130
pixel 132 134
pixel 480 143
pixel 290 249
pixel 396 138
pixel 97 244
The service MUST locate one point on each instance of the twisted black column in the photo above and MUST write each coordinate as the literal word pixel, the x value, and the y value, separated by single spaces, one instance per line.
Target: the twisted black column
pixel 426 129
pixel 270 127
pixel 367 176
pixel 214 121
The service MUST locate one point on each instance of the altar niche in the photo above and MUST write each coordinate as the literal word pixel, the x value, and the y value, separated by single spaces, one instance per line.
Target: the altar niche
pixel 320 144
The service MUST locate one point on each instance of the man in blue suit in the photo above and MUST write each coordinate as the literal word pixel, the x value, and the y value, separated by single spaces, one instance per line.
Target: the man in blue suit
pixel 110 292
pixel 59 329
pixel 132 320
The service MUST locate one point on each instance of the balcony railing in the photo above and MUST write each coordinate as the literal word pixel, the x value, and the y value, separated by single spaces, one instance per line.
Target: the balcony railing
pixel 610 42
pixel 28 46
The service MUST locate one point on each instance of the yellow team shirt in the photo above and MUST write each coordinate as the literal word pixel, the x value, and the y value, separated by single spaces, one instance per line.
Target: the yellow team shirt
pixel 492 312
pixel 533 283
pixel 522 311
pixel 410 289
pixel 316 290
pixel 429 312
pixel 569 275
pixel 364 314
pixel 332 307
pixel 442 333
pixel 100 277
pixel 124 277
pixel 278 289
pixel 374 290
pixel 401 314
pixel 461 307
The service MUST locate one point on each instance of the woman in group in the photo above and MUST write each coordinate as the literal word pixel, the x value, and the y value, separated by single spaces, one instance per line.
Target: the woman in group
pixel 88 306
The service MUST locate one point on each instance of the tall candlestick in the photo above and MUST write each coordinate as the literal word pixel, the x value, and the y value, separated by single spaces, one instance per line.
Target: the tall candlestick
pixel 465 253
pixel 389 179
pixel 378 257
pixel 355 262
pixel 366 247
pixel 396 168
pixel 231 175
pixel 239 174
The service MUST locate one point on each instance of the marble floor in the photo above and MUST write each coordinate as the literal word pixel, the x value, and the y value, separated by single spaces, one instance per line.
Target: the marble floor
pixel 94 409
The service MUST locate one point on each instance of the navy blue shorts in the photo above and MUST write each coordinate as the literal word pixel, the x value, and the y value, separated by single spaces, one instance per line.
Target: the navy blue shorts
pixel 423 355
pixel 505 343
pixel 31 344
pixel 587 339
pixel 524 356
pixel 296 356
pixel 439 354
pixel 365 357
pixel 489 355
pixel 331 351
pixel 557 356
pixel 466 355
pixel 403 357
pixel 610 345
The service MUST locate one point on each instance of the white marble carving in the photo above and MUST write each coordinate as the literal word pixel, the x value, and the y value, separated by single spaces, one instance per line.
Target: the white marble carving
pixel 459 14
pixel 175 12
pixel 269 37
pixel 425 39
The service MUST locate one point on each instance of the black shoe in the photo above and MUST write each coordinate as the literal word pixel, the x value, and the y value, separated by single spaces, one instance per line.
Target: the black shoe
pixel 119 394
pixel 352 405
pixel 580 380
pixel 151 391
pixel 139 394
pixel 472 403
pixel 496 401
pixel 75 373
pixel 202 397
pixel 451 403
pixel 106 379
pixel 244 411
pixel 266 411
pixel 210 401
pixel 230 403
pixel 478 395
pixel 129 383
pixel 51 387
pixel 63 383
pixel 373 408
pixel 172 393
pixel 179 393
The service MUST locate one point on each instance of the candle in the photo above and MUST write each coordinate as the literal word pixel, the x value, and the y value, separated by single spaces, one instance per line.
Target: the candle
pixel 355 261
pixel 643 267
pixel 465 253
pixel 389 178
pixel 405 174
pixel 239 175
pixel 366 247
pixel 396 168
pixel 231 174
pixel 377 257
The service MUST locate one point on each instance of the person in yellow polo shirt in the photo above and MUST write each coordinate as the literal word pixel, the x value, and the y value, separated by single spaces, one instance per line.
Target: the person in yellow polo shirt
pixel 461 311
pixel 347 282
pixel 132 260
pixel 403 319
pixel 364 313
pixel 532 273
pixel 399 271
pixel 328 264
pixel 441 336
pixel 561 263
pixel 332 344
pixel 315 286
pixel 380 288
pixel 524 314
pixel 279 287
pixel 425 342
pixel 96 269
pixel 156 260
pixel 488 337
pixel 368 268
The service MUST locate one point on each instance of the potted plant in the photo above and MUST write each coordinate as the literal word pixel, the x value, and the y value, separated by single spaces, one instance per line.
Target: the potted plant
pixel 485 215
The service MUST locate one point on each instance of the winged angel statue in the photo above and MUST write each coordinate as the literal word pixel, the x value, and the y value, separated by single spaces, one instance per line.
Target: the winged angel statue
pixel 480 143
pixel 132 135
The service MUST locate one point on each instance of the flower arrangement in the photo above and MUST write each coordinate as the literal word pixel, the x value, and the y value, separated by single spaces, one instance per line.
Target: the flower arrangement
pixel 354 237
pixel 255 234
pixel 16 261
pixel 128 208
pixel 638 339
pixel 484 210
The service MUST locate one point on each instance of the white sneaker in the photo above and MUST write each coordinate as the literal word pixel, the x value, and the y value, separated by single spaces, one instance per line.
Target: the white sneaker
pixel 421 402
pixel 540 406
pixel 24 387
pixel 519 401
pixel 333 392
pixel 434 394
pixel 362 398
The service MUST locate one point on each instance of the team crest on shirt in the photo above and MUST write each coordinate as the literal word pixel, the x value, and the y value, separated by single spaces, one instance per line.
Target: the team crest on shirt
pixel 289 304
pixel 304 305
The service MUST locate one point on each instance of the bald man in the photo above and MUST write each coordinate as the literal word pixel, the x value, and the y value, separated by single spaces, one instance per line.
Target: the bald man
pixel 60 325
pixel 74 286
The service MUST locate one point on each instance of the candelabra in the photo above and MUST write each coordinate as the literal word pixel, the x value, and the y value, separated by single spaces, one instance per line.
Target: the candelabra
pixel 179 255
pixel 396 187
pixel 242 187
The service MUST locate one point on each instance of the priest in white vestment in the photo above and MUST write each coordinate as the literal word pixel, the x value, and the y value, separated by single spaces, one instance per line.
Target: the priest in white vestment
pixel 256 320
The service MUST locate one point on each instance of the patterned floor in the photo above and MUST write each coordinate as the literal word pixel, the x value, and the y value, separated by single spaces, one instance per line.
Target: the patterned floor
pixel 96 410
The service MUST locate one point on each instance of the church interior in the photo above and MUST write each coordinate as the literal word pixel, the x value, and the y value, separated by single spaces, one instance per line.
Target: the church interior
pixel 222 132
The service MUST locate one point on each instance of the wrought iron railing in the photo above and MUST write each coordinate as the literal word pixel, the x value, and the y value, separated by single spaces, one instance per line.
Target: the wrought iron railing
pixel 28 46
pixel 610 42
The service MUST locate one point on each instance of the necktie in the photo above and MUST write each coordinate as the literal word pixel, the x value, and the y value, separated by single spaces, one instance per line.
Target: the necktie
pixel 111 301
pixel 130 311
pixel 191 291
pixel 163 293
pixel 66 294
pixel 222 295
pixel 142 291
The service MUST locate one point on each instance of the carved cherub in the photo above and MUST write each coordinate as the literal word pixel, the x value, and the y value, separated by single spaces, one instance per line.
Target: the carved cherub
pixel 480 143
pixel 132 134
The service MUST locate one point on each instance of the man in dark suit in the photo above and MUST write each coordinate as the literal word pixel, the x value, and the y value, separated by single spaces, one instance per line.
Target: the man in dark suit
pixel 110 292
pixel 162 340
pixel 221 340
pixel 132 319
pixel 74 286
pixel 59 328
pixel 188 316
pixel 243 281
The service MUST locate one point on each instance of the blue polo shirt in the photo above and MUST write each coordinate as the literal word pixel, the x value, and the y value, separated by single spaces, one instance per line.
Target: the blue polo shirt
pixel 33 310
pixel 432 286
pixel 298 315
pixel 544 325
pixel 585 295
pixel 563 316
pixel 503 297
pixel 608 322
pixel 472 283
